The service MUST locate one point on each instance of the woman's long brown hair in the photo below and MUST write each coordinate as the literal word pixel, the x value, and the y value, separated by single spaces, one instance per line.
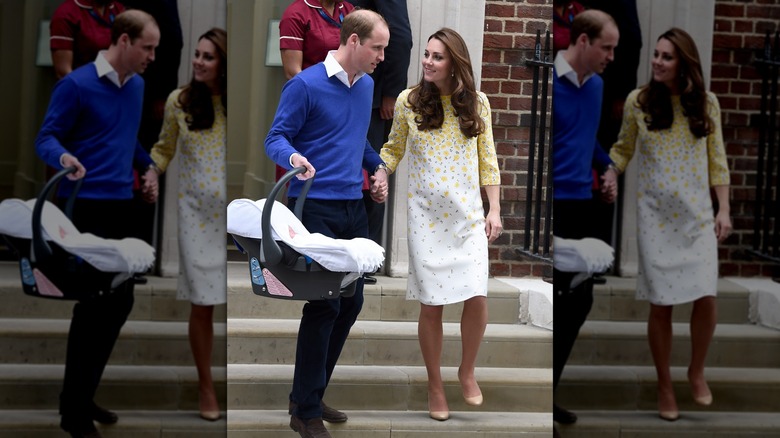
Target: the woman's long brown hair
pixel 425 98
pixel 195 97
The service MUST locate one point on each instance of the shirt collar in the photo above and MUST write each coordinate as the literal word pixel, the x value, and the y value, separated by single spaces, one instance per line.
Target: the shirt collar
pixel 333 68
pixel 564 70
pixel 318 5
pixel 87 4
pixel 104 68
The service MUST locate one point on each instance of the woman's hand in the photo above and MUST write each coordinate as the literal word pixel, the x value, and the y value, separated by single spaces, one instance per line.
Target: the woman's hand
pixel 722 225
pixel 493 227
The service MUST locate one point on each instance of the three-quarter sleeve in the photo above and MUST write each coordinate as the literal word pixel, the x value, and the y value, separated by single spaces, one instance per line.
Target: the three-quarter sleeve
pixel 716 151
pixel 489 174
pixel 625 145
pixel 165 148
pixel 394 149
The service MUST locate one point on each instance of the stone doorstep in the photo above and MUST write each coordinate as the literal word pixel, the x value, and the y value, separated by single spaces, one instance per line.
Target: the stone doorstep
pixel 764 300
pixel 385 300
pixel 393 388
pixel 535 300
pixel 634 388
pixel 625 343
pixel 44 341
pixel 646 424
pixel 122 387
pixel 398 424
pixel 45 423
pixel 615 301
pixel 390 343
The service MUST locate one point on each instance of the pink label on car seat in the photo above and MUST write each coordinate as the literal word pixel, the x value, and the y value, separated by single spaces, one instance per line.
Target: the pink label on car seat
pixel 275 287
pixel 46 287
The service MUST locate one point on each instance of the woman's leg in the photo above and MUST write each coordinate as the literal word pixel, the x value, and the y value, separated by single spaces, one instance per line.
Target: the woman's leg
pixel 429 331
pixel 472 329
pixel 201 331
pixel 703 321
pixel 659 335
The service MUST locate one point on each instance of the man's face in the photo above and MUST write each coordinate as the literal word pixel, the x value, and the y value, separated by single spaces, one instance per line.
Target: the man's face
pixel 371 51
pixel 601 51
pixel 140 53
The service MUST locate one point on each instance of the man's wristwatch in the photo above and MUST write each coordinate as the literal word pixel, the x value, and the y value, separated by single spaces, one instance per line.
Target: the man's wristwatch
pixel 381 166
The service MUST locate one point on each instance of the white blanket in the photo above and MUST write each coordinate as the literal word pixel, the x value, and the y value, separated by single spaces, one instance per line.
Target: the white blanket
pixel 359 255
pixel 127 255
pixel 584 256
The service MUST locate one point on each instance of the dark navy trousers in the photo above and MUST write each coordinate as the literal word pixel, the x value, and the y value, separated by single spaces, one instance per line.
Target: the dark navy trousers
pixel 325 324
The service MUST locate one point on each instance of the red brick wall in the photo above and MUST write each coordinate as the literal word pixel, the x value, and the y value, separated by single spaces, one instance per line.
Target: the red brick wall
pixel 510 35
pixel 739 33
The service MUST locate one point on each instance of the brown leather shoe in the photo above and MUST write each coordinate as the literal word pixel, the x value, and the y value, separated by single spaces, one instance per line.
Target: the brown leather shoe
pixel 311 428
pixel 328 413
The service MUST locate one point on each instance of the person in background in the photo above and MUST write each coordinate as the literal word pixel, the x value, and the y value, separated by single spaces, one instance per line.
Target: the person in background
pixel 308 30
pixel 196 123
pixel 91 124
pixel 446 124
pixel 564 12
pixel 674 124
pixel 78 30
pixel 390 78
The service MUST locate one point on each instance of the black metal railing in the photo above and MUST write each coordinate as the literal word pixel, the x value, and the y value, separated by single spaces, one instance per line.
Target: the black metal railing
pixel 538 199
pixel 766 208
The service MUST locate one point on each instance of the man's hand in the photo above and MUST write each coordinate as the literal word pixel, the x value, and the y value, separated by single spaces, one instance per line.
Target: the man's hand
pixel 68 160
pixel 150 189
pixel 387 108
pixel 299 160
pixel 379 186
pixel 609 186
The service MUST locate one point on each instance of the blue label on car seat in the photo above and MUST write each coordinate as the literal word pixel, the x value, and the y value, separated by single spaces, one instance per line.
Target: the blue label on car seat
pixel 257 271
pixel 26 270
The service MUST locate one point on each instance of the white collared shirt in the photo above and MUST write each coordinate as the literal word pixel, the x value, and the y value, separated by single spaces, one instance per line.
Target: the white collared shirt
pixel 563 70
pixel 104 68
pixel 333 68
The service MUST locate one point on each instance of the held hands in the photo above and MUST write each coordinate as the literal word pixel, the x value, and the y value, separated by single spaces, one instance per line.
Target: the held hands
pixel 379 187
pixel 68 160
pixel 150 189
pixel 722 225
pixel 609 186
pixel 493 227
pixel 299 160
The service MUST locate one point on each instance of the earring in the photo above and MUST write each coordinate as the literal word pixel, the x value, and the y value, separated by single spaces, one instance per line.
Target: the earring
pixel 452 75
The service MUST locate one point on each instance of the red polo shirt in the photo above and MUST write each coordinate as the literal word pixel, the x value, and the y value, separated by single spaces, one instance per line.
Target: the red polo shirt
pixel 304 28
pixel 76 26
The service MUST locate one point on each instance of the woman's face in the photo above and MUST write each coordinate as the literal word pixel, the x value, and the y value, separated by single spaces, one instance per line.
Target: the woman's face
pixel 666 64
pixel 205 64
pixel 437 65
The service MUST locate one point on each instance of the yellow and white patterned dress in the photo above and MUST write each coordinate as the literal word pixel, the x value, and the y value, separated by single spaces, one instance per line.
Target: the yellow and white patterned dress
pixel 678 258
pixel 448 248
pixel 201 201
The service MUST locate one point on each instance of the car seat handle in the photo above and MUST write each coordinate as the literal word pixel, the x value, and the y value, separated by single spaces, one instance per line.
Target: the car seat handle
pixel 40 249
pixel 270 252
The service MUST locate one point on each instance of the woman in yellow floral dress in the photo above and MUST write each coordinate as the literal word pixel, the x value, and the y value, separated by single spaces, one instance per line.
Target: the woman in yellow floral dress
pixel 195 123
pixel 674 125
pixel 450 157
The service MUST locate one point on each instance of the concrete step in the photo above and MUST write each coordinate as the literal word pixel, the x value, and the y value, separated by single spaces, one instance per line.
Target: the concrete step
pixel 44 341
pixel 634 388
pixel 154 301
pixel 390 343
pixel 166 388
pixel 45 423
pixel 398 424
pixel 615 301
pixel 625 343
pixel 646 424
pixel 392 388
pixel 385 301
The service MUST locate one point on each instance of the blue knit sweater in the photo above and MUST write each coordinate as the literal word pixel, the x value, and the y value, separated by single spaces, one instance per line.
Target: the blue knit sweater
pixel 97 122
pixel 327 122
pixel 576 113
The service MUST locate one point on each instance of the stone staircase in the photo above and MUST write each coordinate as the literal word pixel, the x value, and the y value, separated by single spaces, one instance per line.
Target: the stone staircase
pixel 150 380
pixel 609 380
pixel 380 381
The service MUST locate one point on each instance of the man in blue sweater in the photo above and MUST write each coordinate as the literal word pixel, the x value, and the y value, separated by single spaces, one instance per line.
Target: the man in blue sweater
pixel 321 124
pixel 92 124
pixel 577 95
